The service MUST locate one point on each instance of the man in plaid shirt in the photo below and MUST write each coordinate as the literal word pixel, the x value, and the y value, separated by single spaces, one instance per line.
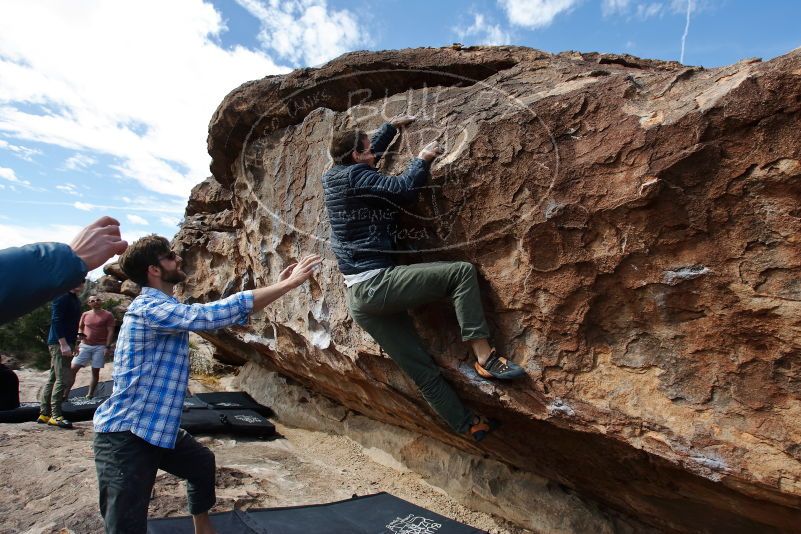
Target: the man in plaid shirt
pixel 137 429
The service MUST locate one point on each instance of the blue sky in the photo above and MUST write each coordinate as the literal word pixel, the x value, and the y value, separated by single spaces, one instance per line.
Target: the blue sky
pixel 104 104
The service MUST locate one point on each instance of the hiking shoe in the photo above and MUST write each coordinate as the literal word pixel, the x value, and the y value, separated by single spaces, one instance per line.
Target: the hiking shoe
pixel 482 426
pixel 43 419
pixel 59 422
pixel 499 367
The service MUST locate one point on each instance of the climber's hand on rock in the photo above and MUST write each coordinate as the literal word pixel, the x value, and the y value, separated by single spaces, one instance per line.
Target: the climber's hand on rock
pixel 431 151
pixel 297 273
pixel 402 120
pixel 286 272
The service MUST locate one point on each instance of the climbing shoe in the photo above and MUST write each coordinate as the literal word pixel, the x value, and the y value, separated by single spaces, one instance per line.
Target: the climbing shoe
pixel 59 422
pixel 499 367
pixel 43 419
pixel 482 426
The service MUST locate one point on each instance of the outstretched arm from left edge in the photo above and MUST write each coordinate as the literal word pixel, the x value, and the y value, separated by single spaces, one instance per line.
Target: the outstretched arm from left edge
pixel 34 274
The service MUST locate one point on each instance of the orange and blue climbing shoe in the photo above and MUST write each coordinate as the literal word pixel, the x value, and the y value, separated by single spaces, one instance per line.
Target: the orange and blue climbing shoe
pixel 482 426
pixel 499 367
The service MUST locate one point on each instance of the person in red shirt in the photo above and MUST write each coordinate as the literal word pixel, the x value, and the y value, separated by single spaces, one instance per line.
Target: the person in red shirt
pixel 96 329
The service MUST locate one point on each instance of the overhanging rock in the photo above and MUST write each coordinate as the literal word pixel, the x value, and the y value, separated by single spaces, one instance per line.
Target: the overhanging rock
pixel 635 224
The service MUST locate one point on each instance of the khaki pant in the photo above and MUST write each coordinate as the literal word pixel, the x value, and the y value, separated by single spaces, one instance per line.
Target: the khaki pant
pixel 58 383
pixel 380 304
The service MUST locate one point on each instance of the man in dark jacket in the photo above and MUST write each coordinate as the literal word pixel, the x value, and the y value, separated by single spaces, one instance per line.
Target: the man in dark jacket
pixel 362 206
pixel 64 316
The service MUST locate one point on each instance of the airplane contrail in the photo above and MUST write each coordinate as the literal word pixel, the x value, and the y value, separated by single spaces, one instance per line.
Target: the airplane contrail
pixel 686 29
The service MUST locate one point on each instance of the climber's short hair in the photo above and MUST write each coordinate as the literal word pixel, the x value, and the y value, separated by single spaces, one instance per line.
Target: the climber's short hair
pixel 343 143
pixel 143 253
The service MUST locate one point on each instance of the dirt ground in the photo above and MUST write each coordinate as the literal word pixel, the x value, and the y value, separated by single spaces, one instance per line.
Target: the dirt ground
pixel 50 484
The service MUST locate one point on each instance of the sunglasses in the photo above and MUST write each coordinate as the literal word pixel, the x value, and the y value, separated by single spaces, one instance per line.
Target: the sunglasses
pixel 171 255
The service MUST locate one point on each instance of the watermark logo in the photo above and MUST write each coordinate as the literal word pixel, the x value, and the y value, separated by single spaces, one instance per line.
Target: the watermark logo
pixel 412 524
pixel 456 114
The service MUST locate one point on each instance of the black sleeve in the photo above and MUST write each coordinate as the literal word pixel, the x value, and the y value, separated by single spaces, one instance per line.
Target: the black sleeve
pixel 382 139
pixel 403 189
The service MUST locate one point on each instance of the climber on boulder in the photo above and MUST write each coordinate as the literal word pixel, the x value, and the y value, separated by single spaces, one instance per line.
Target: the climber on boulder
pixel 362 209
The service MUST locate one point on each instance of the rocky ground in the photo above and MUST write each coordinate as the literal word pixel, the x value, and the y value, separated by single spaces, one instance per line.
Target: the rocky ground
pixel 50 484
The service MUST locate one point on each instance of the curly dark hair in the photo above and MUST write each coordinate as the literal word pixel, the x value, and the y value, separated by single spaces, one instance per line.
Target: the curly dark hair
pixel 143 253
pixel 344 143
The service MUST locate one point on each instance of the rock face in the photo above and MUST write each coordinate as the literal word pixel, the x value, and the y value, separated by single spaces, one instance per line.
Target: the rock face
pixel 635 225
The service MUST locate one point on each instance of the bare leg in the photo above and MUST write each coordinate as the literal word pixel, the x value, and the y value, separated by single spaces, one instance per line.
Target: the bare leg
pixel 481 348
pixel 203 524
pixel 93 384
pixel 75 369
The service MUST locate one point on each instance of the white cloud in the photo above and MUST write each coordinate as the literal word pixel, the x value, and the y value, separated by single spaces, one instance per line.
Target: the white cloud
pixel 7 173
pixel 152 204
pixel 16 235
pixel 10 175
pixel 137 81
pixel 22 152
pixel 169 221
pixel 483 32
pixel 646 11
pixel 609 7
pixel 136 219
pixel 158 207
pixel 79 161
pixel 305 31
pixel 70 189
pixel 535 13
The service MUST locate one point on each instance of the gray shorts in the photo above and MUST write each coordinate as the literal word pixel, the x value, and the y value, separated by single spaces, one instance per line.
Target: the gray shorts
pixel 94 353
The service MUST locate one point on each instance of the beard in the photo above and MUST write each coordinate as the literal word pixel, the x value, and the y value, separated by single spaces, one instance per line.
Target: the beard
pixel 176 276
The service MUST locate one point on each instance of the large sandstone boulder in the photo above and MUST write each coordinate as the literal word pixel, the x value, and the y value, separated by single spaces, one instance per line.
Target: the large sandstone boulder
pixel 635 224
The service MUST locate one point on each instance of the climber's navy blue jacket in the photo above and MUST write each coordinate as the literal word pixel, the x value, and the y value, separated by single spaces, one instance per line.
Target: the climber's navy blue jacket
pixel 363 207
pixel 34 274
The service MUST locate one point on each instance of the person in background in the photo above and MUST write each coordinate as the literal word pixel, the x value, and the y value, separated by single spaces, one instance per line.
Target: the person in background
pixel 34 274
pixel 95 332
pixel 9 388
pixel 64 317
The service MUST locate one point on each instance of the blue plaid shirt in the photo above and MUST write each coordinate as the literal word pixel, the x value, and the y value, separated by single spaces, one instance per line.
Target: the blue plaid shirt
pixel 151 363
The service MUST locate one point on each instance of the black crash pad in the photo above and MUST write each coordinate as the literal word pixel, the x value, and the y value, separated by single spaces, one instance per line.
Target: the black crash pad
pixel 381 513
pixel 191 402
pixel 76 409
pixel 103 389
pixel 236 422
pixel 27 411
pixel 233 400
pixel 80 408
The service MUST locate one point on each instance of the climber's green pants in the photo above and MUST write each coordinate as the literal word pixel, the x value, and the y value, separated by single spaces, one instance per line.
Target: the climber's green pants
pixel 380 304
